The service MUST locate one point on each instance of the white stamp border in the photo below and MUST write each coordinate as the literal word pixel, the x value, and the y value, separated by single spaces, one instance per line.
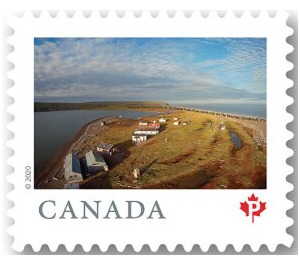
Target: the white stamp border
pixel 277 34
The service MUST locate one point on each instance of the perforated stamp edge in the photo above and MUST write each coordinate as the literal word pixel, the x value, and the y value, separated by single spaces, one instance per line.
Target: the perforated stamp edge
pixel 122 15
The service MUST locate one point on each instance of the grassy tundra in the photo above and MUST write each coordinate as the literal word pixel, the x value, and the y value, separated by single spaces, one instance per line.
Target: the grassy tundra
pixel 197 155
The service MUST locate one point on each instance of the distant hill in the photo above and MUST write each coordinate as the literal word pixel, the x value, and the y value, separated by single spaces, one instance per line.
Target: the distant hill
pixel 106 105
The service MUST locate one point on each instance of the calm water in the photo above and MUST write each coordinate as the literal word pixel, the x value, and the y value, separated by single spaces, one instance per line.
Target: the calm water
pixel 53 129
pixel 257 110
pixel 237 142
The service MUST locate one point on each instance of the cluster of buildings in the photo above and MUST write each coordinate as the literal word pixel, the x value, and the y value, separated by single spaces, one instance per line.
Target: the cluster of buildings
pixel 76 170
pixel 145 130
pixel 221 125
pixel 92 163
pixel 177 122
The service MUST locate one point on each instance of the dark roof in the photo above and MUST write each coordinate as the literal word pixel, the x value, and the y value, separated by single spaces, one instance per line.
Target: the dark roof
pixel 105 146
pixel 72 164
pixel 72 168
pixel 94 158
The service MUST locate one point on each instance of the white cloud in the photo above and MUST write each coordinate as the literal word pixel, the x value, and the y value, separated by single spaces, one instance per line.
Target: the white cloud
pixel 102 69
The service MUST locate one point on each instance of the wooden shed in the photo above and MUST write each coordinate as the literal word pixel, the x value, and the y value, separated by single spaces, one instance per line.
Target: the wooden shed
pixel 106 148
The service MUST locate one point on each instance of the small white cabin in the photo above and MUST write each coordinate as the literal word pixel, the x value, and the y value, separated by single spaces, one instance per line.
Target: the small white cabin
pixel 136 173
pixel 175 118
pixel 176 123
pixel 162 120
pixel 143 123
pixel 139 138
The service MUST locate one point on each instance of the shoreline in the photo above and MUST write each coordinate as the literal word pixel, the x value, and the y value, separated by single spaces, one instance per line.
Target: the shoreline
pixel 43 176
pixel 54 167
pixel 165 109
pixel 221 113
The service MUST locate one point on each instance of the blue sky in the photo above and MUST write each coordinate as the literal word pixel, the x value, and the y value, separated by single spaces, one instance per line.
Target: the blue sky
pixel 184 70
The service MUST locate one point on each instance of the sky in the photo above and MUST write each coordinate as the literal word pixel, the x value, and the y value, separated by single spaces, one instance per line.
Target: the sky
pixel 174 70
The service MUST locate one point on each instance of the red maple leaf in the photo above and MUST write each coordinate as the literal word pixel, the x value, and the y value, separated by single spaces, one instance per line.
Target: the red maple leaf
pixel 251 207
pixel 245 207
pixel 262 207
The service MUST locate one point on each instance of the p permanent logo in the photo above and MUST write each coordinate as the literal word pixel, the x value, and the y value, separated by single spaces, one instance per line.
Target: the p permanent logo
pixel 253 207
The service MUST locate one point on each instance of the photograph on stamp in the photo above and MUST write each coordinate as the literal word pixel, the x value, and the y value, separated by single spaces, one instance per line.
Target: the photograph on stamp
pixel 150 113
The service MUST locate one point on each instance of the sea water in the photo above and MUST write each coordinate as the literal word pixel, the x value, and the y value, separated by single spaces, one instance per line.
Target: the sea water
pixel 54 129
pixel 256 110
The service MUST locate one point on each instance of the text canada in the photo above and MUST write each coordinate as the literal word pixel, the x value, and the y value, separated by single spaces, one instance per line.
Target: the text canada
pixel 49 209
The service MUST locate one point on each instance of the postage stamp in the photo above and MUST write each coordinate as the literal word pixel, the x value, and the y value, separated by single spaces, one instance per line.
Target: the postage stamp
pixel 150 128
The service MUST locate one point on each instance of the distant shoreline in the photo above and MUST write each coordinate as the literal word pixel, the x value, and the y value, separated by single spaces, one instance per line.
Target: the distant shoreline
pixel 135 105
pixel 221 113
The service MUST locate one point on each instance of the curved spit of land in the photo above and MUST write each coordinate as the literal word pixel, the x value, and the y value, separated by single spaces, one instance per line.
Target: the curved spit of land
pixel 200 154
pixel 205 111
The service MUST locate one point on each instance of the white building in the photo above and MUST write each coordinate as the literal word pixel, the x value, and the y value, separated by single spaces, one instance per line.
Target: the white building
pixel 162 120
pixel 72 168
pixel 176 123
pixel 136 138
pixel 95 162
pixel 143 123
pixel 175 118
pixel 222 127
pixel 136 173
pixel 146 131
